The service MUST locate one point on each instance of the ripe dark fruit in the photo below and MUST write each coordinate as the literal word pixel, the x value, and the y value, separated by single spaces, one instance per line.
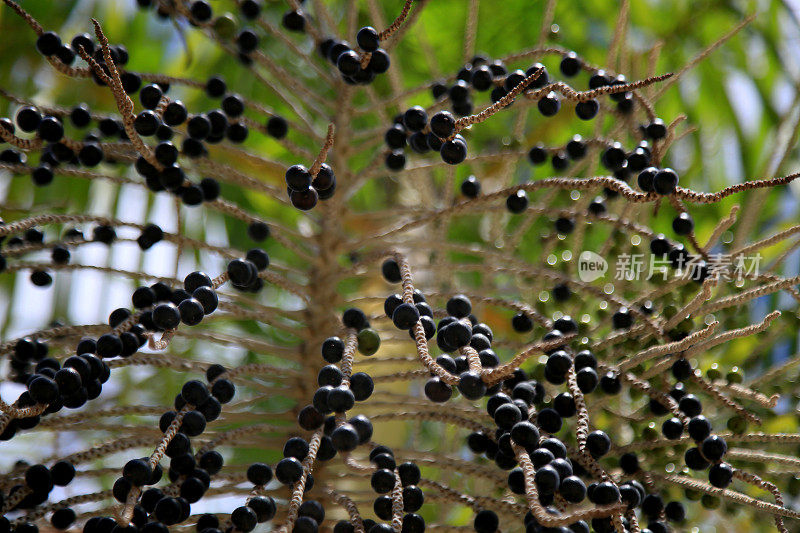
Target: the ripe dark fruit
pixel 277 127
pixel 672 428
pixel 304 199
pixel 482 78
pixel 547 479
pixel 610 383
pixel 587 109
pixel 560 161
pixel 150 95
pixel 570 64
pixel 689 403
pixel 166 153
pixel 459 306
pixel 695 460
pixel 714 448
pixel 549 420
pixel 564 225
pixel 598 443
pixel 513 79
pixel 454 152
pixel 28 118
pixel 720 475
pixel 471 187
pixel 298 178
pixel 572 489
pixel 665 181
pixel 549 105
pixel 405 316
pixel 48 43
pixel 379 62
pixel 50 129
pixel 395 136
pixel 622 318
pixel 396 160
pixel 639 159
pixel 646 179
pixel 80 116
pixel 471 385
pixel 237 132
pixel 137 472
pixel 443 124
pixel 613 157
pixel 43 390
pixel 486 521
pixel 294 21
pixel 537 155
pixel 42 175
pixel 367 39
pixel 699 428
pixel 683 224
pixel 437 391
pixel 200 10
pixel 656 129
pixel 517 202
pixel 345 438
pixel 459 92
pixel 166 316
pixel 348 63
pixel 146 123
pixel 605 493
pixel 415 118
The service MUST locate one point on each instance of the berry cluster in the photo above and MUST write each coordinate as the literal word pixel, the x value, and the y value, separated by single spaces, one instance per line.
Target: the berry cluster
pixel 305 189
pixel 162 118
pixel 412 128
pixel 355 68
pixel 483 74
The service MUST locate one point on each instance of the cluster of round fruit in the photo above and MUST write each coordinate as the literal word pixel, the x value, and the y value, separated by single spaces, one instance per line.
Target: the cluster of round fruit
pixel 211 127
pixel 195 405
pixel 527 417
pixel 560 157
pixel 383 481
pixel 57 386
pixel 49 44
pixel 200 129
pixel 658 180
pixel 59 254
pixel 335 395
pixel 50 129
pixel 509 404
pixel 158 308
pixel 678 256
pixel 338 395
pixel 357 68
pixel 482 74
pixel 90 154
pixel 414 129
pixel 305 189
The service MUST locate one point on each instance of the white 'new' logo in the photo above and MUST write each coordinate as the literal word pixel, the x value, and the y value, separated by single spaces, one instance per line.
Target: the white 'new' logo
pixel 591 266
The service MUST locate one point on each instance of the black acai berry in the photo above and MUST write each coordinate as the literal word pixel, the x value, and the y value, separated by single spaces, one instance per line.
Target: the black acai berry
pixel 570 64
pixel 443 124
pixel 367 39
pixel 415 118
